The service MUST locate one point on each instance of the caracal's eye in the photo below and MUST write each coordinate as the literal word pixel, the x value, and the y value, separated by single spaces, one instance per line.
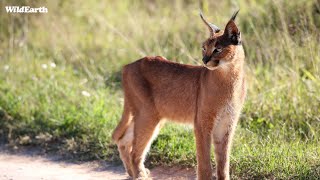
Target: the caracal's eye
pixel 217 50
pixel 203 49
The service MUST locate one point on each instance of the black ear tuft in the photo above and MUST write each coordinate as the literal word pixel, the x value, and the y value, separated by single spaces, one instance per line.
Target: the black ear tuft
pixel 232 30
pixel 233 18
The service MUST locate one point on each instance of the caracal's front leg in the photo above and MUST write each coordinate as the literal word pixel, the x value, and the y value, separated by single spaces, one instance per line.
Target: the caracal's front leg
pixel 203 133
pixel 222 149
pixel 222 139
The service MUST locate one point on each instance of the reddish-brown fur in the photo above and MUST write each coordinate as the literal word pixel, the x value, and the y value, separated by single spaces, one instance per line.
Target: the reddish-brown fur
pixel 208 97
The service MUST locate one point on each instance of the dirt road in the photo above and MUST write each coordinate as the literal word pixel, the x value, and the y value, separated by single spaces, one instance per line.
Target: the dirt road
pixel 26 166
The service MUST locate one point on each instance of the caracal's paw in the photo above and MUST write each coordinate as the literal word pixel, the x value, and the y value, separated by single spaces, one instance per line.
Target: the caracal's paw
pixel 129 172
pixel 144 174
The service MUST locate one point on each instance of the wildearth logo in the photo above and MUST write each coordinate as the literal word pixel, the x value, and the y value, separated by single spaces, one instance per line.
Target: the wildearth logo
pixel 26 9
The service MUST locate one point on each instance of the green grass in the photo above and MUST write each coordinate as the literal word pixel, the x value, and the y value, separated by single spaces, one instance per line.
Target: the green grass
pixel 60 80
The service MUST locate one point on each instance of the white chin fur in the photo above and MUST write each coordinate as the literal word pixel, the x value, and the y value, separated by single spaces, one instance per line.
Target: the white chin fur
pixel 211 68
pixel 222 63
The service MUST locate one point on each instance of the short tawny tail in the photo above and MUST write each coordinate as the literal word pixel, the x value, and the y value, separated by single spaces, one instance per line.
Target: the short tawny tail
pixel 126 115
pixel 123 124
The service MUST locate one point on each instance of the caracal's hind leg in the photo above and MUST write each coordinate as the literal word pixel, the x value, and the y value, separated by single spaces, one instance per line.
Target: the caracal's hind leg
pixel 125 148
pixel 146 128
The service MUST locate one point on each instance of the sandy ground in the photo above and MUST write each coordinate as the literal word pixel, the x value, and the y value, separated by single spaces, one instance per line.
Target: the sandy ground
pixel 32 166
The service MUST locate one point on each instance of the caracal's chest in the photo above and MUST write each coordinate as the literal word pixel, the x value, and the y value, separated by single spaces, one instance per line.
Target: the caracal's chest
pixel 227 116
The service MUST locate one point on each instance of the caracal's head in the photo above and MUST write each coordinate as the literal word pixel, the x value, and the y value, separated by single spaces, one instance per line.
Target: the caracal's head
pixel 222 47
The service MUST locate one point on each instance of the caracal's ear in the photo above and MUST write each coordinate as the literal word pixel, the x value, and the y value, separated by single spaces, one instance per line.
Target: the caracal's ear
pixel 232 30
pixel 212 28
